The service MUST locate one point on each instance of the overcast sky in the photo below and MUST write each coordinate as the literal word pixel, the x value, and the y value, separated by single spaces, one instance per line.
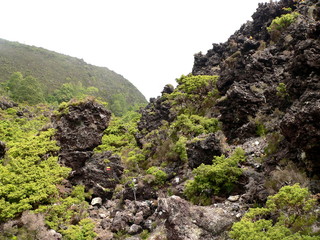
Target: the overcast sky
pixel 149 42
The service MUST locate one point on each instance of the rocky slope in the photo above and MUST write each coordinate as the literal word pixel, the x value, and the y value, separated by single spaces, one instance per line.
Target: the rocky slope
pixel 268 103
pixel 255 129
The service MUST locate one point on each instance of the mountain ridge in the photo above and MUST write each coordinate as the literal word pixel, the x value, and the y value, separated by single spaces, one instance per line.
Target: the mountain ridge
pixel 54 69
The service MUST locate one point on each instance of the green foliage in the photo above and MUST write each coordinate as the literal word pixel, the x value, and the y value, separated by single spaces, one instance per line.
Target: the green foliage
pixel 279 24
pixel 144 234
pixel 180 148
pixel 30 174
pixel 119 137
pixel 282 91
pixel 212 179
pixel 14 128
pixel 293 211
pixel 159 176
pixel 66 211
pixel 25 89
pixel 69 91
pixel 193 125
pixel 282 22
pixel 194 94
pixel 82 231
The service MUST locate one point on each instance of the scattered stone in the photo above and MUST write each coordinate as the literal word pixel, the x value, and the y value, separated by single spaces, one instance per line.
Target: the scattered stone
pixel 96 201
pixel 134 229
pixel 234 198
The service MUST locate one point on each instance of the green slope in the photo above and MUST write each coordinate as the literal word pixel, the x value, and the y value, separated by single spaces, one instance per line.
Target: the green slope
pixel 54 69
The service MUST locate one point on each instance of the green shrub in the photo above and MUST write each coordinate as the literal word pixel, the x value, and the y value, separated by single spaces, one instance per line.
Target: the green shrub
pixel 282 22
pixel 279 24
pixel 193 125
pixel 194 94
pixel 180 148
pixel 30 174
pixel 66 211
pixel 282 90
pixel 212 179
pixel 82 231
pixel 25 89
pixel 292 212
pixel 159 176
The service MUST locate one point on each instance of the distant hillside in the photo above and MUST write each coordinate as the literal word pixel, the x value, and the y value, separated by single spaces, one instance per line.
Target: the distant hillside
pixel 54 69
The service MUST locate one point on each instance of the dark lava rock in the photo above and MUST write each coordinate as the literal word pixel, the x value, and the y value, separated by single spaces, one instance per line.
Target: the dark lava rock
pixel 100 173
pixel 301 127
pixel 154 113
pixel 203 150
pixel 2 149
pixel 6 103
pixel 187 221
pixel 81 128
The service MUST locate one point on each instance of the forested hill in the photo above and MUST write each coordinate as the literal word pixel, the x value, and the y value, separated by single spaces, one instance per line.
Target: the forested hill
pixel 53 69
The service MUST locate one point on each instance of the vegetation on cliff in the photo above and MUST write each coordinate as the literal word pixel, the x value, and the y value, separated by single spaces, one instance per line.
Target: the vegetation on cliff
pixel 228 156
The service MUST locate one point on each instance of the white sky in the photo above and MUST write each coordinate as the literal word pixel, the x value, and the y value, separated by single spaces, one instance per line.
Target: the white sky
pixel 149 42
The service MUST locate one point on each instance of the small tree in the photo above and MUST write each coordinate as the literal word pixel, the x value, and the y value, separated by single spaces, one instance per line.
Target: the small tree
pixel 212 179
pixel 288 215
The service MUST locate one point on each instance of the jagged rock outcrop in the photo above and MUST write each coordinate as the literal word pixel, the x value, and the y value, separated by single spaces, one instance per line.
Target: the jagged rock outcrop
pixel 301 127
pixel 253 64
pixel 186 221
pixel 80 128
pixel 2 149
pixel 101 173
pixel 154 113
pixel 204 149
pixel 251 67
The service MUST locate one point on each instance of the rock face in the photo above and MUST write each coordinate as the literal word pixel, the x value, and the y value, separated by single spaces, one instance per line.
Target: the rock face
pixel 301 126
pixel 101 173
pixel 2 149
pixel 81 128
pixel 154 113
pixel 203 150
pixel 251 68
pixel 253 65
pixel 79 131
pixel 185 221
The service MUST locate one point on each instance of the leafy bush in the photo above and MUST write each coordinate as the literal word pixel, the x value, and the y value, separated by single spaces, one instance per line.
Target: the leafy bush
pixel 279 24
pixel 82 231
pixel 212 179
pixel 192 126
pixel 119 137
pixel 159 176
pixel 292 213
pixel 66 211
pixel 282 22
pixel 30 174
pixel 194 94
pixel 180 148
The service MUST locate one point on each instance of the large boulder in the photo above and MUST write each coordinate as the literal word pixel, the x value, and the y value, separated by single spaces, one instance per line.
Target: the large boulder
pixel 184 221
pixel 80 126
pixel 100 174
pixel 204 149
